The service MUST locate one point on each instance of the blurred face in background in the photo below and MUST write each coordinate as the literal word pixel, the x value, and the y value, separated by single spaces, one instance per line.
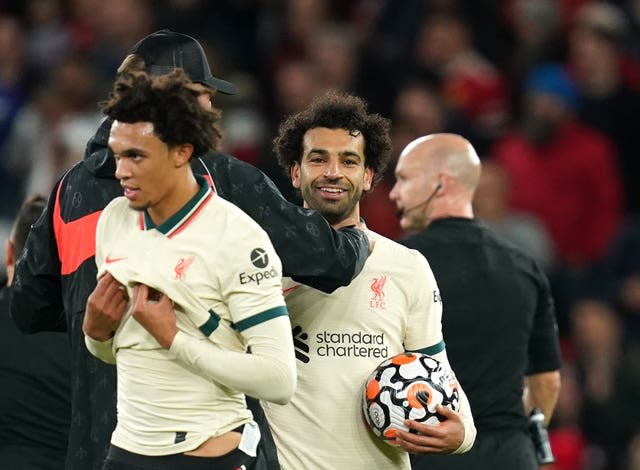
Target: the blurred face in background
pixel 542 117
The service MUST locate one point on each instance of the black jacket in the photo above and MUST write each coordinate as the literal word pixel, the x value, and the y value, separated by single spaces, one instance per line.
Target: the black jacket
pixel 57 272
pixel 35 408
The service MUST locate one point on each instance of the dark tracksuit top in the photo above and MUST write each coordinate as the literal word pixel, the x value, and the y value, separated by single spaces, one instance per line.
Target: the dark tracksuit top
pixel 57 272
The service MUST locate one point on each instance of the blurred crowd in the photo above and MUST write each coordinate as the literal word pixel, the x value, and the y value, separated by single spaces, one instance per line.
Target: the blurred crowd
pixel 548 92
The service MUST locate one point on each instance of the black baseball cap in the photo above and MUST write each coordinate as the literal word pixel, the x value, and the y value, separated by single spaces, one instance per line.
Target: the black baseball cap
pixel 165 51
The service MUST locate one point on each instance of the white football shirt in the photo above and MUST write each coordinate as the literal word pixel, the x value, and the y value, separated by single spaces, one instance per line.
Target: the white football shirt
pixel 393 305
pixel 223 275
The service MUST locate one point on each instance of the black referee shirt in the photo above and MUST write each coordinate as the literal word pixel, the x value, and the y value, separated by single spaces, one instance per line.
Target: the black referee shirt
pixel 498 317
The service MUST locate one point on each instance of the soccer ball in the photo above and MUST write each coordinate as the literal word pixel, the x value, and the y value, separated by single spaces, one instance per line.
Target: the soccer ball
pixel 407 386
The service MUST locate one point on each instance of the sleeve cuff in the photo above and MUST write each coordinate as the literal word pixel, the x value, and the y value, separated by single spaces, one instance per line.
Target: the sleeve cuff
pixel 469 436
pixel 178 345
pixel 103 350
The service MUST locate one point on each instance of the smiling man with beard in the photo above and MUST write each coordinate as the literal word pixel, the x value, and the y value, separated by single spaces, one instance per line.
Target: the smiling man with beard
pixel 334 152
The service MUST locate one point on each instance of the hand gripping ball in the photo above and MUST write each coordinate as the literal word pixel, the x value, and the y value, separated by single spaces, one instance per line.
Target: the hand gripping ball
pixel 407 386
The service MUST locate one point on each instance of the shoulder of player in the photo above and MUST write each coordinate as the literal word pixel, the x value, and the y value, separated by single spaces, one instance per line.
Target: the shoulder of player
pixel 390 248
pixel 512 257
pixel 228 213
pixel 395 259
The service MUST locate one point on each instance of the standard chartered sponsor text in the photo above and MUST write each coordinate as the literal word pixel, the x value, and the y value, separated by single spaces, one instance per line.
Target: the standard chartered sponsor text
pixel 358 344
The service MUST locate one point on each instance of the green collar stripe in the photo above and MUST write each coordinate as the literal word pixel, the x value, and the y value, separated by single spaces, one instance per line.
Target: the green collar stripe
pixel 176 220
pixel 211 324
pixel 261 317
pixel 435 349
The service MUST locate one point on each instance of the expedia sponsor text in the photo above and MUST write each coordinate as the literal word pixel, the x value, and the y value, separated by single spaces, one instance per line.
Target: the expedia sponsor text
pixel 257 277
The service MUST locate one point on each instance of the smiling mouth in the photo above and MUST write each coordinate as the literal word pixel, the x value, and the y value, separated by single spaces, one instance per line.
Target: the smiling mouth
pixel 331 190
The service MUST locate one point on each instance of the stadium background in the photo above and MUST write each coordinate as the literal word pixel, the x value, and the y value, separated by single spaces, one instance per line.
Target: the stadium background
pixel 430 66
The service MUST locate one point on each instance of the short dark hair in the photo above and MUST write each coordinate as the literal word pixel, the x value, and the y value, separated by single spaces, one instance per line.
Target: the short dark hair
pixel 336 110
pixel 29 212
pixel 169 104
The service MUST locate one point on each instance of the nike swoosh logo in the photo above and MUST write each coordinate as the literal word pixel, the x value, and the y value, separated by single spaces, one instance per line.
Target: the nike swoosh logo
pixel 286 291
pixel 112 260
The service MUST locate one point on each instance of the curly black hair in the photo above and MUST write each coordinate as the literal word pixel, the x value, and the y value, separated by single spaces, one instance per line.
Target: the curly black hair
pixel 336 110
pixel 169 104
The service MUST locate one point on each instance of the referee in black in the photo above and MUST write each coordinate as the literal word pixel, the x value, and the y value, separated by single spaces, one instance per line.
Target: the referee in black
pixel 498 316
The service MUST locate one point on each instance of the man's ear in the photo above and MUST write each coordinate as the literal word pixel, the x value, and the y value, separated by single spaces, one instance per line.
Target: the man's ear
pixel 368 179
pixel 10 260
pixel 9 253
pixel 182 154
pixel 294 171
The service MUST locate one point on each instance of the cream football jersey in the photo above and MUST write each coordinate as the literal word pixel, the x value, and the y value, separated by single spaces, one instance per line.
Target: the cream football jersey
pixel 393 305
pixel 223 276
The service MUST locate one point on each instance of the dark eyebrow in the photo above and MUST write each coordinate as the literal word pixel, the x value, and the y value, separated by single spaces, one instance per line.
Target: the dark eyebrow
pixel 346 153
pixel 314 150
pixel 131 152
pixel 349 153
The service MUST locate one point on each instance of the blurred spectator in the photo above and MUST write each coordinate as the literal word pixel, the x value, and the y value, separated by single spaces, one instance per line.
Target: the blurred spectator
pixel 245 126
pixel 48 41
pixel 569 445
pixel 609 373
pixel 562 171
pixel 418 110
pixel 123 23
pixel 633 454
pixel 233 26
pixel 83 24
pixel 468 81
pixel 51 132
pixel 632 12
pixel 334 53
pixel 292 30
pixel 608 103
pixel 386 51
pixel 607 19
pixel 537 27
pixel 13 94
pixel 565 174
pixel 295 84
pixel 491 206
pixel 616 278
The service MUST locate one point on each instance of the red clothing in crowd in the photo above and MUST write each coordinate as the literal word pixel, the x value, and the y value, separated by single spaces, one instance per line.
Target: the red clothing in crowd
pixel 379 212
pixel 572 184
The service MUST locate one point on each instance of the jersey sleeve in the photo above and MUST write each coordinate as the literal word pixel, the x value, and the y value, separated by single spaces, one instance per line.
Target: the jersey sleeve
pixel 544 345
pixel 311 251
pixel 100 230
pixel 252 289
pixel 268 373
pixel 424 318
pixel 103 350
pixel 36 292
pixel 102 234
pixel 252 286
pixel 466 414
